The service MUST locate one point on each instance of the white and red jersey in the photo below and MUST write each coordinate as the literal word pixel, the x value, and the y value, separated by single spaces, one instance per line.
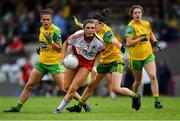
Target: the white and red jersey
pixel 86 50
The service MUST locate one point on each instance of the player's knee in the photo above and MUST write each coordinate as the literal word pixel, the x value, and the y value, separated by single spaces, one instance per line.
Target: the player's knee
pixel 29 86
pixel 115 88
pixel 90 88
pixel 152 77
pixel 138 81
pixel 72 91
pixel 66 88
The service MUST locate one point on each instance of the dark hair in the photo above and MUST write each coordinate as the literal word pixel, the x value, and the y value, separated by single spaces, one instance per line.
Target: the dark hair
pixel 103 16
pixel 46 11
pixel 87 21
pixel 134 7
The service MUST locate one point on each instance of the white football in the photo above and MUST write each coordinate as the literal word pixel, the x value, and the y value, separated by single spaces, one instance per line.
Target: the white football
pixel 71 61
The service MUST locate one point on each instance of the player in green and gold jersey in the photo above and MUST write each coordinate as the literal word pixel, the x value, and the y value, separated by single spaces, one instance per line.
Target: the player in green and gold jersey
pixel 49 58
pixel 139 37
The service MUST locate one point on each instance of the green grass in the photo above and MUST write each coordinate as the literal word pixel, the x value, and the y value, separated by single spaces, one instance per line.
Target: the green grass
pixel 41 108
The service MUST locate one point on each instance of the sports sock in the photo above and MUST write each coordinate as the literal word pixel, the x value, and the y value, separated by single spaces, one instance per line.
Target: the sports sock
pixel 156 99
pixel 134 95
pixel 19 106
pixel 63 104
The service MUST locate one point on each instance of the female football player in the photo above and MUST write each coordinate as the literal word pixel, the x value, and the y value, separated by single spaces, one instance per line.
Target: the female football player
pixel 86 46
pixel 50 48
pixel 139 37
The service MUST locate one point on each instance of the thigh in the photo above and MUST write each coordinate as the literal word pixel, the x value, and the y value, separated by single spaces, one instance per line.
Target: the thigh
pixel 150 68
pixel 58 78
pixel 68 77
pixel 79 78
pixel 94 82
pixel 116 79
pixel 35 77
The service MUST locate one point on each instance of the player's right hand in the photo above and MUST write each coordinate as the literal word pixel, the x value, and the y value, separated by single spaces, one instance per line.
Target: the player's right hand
pixel 75 21
pixel 144 38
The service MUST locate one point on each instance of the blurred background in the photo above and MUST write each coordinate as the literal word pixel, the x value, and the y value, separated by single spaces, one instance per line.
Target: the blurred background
pixel 19 29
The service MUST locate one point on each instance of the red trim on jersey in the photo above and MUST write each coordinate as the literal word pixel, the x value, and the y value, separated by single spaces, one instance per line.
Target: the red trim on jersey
pixel 74 36
pixel 88 64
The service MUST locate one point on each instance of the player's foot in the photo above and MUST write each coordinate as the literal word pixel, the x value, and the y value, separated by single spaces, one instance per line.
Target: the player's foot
pixel 57 111
pixel 158 105
pixel 12 109
pixel 136 102
pixel 86 107
pixel 75 108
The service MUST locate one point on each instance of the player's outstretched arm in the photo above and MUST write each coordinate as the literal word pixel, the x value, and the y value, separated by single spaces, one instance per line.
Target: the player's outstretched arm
pixel 77 23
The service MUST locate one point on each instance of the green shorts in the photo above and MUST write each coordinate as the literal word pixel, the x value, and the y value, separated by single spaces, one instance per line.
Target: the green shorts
pixel 116 66
pixel 52 69
pixel 139 64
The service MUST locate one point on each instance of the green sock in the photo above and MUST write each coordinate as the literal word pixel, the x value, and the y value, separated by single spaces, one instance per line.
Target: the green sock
pixel 80 104
pixel 134 95
pixel 18 106
pixel 156 99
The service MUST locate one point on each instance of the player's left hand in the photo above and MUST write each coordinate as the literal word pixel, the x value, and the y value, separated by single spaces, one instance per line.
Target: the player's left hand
pixel 48 37
pixel 38 50
pixel 156 45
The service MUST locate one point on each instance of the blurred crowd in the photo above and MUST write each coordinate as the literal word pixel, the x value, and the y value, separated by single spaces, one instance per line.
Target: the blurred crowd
pixel 19 24
pixel 19 19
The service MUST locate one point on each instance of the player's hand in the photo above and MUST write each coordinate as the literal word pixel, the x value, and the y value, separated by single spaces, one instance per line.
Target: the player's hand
pixel 75 21
pixel 38 50
pixel 144 38
pixel 123 49
pixel 48 37
pixel 156 45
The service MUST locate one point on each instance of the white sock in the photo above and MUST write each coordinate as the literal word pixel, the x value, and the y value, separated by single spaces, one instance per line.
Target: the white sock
pixel 63 104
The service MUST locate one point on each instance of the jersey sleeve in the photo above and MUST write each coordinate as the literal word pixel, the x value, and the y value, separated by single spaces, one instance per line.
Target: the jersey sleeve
pixel 108 36
pixel 57 36
pixel 130 31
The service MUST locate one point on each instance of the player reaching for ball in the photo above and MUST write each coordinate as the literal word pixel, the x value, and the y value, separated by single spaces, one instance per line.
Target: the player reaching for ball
pixel 86 46
pixel 110 62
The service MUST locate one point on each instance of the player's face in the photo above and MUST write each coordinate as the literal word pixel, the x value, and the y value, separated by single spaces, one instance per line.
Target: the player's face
pixel 89 29
pixel 137 14
pixel 46 21
pixel 99 25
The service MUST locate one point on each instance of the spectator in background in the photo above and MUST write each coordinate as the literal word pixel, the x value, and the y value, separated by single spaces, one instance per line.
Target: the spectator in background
pixel 60 20
pixel 3 42
pixel 164 76
pixel 25 73
pixel 16 46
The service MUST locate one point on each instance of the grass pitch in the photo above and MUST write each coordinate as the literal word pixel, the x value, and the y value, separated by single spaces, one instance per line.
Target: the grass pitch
pixel 41 108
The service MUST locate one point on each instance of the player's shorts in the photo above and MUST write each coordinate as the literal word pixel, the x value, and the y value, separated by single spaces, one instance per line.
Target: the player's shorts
pixel 139 64
pixel 116 66
pixel 52 69
pixel 88 64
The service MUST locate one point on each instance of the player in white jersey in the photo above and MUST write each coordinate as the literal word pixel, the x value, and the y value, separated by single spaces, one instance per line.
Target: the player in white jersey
pixel 86 46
